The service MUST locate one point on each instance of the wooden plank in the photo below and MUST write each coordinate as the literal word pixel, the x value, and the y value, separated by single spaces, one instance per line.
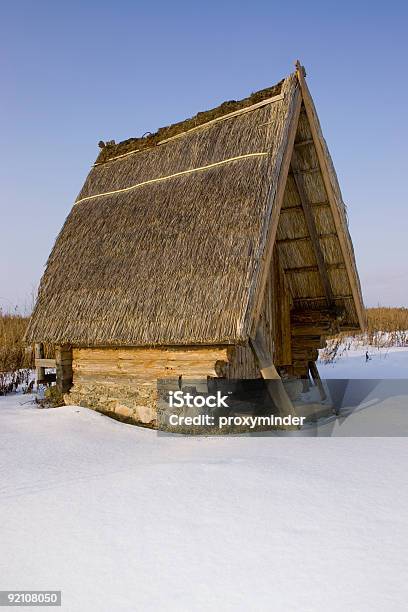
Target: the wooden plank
pixel 334 198
pixel 273 223
pixel 311 226
pixel 45 363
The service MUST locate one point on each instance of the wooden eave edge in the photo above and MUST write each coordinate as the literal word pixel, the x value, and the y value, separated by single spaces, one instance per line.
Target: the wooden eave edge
pixel 334 199
pixel 251 317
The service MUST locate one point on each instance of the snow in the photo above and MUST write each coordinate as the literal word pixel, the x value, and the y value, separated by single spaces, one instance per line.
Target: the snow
pixel 384 362
pixel 121 518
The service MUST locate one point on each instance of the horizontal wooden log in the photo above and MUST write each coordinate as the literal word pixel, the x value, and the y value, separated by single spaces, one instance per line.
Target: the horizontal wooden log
pixel 305 238
pixel 310 299
pixel 304 143
pixel 306 354
pixel 302 269
pixel 299 207
pixel 322 330
pixel 301 171
pixel 307 341
pixel 321 315
pixel 151 364
pixel 45 363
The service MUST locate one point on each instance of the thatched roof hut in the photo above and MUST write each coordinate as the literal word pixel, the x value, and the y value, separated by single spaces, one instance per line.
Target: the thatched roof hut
pixel 204 234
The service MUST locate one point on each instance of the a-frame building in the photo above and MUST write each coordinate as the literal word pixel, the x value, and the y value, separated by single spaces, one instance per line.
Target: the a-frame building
pixel 216 247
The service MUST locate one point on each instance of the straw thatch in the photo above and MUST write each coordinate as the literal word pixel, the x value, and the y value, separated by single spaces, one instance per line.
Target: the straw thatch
pixel 165 242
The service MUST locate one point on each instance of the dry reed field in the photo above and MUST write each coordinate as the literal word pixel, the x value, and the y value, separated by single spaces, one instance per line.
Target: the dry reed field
pixel 13 353
pixel 386 328
pixel 15 361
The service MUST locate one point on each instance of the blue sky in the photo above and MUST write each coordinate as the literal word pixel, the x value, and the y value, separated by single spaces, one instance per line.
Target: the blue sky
pixel 74 73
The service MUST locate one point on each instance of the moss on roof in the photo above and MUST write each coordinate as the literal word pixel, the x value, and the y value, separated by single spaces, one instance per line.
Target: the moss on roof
pixel 132 144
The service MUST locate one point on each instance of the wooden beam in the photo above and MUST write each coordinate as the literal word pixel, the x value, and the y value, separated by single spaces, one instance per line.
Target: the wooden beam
pixel 305 238
pixel 315 268
pixel 268 371
pixel 300 207
pixel 304 143
pixel 256 299
pixel 308 298
pixel 311 226
pixel 282 302
pixel 63 358
pixel 305 170
pixel 45 363
pixel 333 192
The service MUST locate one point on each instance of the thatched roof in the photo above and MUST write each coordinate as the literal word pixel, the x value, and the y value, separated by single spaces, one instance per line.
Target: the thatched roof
pixel 166 241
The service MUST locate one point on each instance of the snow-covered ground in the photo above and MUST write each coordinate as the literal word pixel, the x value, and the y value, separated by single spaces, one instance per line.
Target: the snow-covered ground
pixel 122 519
pixel 383 362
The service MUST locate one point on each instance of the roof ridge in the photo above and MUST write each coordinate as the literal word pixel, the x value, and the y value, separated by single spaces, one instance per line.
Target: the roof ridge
pixel 159 137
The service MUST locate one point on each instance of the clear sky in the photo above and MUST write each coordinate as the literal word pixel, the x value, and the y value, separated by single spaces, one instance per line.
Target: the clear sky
pixel 73 73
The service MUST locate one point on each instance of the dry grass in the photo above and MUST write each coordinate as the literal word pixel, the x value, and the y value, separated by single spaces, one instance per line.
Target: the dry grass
pixel 13 353
pixel 16 358
pixel 15 361
pixel 387 319
pixel 386 327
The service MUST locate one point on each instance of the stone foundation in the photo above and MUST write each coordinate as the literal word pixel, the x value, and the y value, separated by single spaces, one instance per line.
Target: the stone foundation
pixel 137 404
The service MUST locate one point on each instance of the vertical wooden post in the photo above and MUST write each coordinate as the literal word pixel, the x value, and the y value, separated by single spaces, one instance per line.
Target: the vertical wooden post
pixel 39 354
pixel 63 359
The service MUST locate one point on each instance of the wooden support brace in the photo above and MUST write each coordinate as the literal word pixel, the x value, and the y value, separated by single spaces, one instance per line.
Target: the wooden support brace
pixel 275 386
pixel 314 372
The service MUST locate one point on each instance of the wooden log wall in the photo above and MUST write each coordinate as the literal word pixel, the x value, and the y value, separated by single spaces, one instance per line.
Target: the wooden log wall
pixel 146 365
pixel 309 329
pixel 123 381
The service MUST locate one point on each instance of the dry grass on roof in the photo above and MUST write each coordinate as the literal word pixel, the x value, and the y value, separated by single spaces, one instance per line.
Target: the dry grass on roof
pixel 170 262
